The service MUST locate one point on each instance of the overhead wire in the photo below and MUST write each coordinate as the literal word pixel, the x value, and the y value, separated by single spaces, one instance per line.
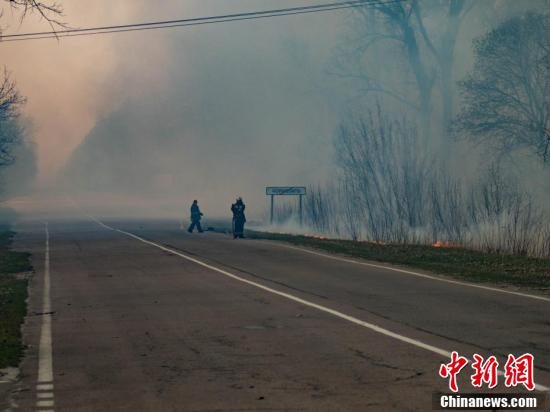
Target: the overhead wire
pixel 89 31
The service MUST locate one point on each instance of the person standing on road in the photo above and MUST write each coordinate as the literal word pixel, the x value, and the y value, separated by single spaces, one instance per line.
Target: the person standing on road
pixel 195 217
pixel 238 218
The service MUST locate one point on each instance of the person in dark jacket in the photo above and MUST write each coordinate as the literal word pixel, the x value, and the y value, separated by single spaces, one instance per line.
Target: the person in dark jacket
pixel 195 217
pixel 238 218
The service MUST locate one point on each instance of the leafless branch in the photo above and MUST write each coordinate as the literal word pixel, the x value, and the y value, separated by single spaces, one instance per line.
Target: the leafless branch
pixel 49 11
pixel 10 99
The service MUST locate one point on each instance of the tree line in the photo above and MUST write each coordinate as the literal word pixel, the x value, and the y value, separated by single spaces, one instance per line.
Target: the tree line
pixel 394 182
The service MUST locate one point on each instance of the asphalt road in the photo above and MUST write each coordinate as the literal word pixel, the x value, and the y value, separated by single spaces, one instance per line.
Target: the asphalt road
pixel 135 327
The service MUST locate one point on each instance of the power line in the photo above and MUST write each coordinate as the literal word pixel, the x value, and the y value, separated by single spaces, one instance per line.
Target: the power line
pixel 89 31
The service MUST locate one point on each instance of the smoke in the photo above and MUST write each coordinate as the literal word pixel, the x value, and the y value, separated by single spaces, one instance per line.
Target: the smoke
pixel 214 112
pixel 145 122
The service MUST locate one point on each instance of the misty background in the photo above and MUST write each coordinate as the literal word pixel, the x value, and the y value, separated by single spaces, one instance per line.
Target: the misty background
pixel 143 123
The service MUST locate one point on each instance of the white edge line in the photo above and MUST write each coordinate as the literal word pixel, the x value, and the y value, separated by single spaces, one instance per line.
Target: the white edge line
pixel 409 272
pixel 45 362
pixel 383 331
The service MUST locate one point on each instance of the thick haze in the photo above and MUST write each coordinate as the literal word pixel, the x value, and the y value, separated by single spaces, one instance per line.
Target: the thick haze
pixel 207 112
pixel 157 118
pixel 216 111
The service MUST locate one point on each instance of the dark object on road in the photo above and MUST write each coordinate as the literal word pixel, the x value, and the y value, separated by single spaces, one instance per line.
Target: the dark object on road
pixel 195 217
pixel 238 218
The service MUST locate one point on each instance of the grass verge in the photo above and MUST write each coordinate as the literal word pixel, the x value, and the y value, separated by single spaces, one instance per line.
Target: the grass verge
pixel 459 263
pixel 13 296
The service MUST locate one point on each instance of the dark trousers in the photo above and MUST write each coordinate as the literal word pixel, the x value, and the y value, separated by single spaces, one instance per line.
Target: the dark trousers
pixel 194 224
pixel 238 227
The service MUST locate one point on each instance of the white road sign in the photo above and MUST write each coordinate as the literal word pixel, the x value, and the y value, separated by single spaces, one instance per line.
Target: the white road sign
pixel 285 190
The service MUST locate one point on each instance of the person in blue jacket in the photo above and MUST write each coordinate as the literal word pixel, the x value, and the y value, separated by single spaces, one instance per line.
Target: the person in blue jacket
pixel 238 218
pixel 195 217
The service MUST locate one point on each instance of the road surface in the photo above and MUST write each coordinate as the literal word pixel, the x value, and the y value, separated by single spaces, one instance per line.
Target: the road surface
pixel 150 318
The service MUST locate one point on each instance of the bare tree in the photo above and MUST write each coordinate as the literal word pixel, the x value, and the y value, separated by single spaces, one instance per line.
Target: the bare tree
pixel 18 178
pixel 392 24
pixel 10 99
pixel 381 164
pixel 507 95
pixel 10 138
pixel 10 132
pixel 388 193
pixel 49 11
pixel 452 13
pixel 397 194
pixel 428 55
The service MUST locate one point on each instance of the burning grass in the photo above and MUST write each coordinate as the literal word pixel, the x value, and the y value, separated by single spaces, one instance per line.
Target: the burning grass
pixel 444 258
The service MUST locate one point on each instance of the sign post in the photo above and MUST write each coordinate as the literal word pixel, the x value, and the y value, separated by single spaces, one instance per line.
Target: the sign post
pixel 272 204
pixel 301 218
pixel 285 191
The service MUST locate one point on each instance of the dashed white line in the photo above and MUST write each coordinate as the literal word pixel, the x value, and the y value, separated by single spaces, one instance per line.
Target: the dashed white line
pixel 45 404
pixel 45 362
pixel 44 395
pixel 44 387
pixel 352 319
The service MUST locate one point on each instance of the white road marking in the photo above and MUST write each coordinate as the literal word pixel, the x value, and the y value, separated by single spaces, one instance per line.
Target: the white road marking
pixel 44 395
pixel 410 272
pixel 45 363
pixel 371 326
pixel 45 404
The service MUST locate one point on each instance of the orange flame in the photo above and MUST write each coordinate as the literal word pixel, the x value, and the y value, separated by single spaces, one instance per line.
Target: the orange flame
pixel 440 243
